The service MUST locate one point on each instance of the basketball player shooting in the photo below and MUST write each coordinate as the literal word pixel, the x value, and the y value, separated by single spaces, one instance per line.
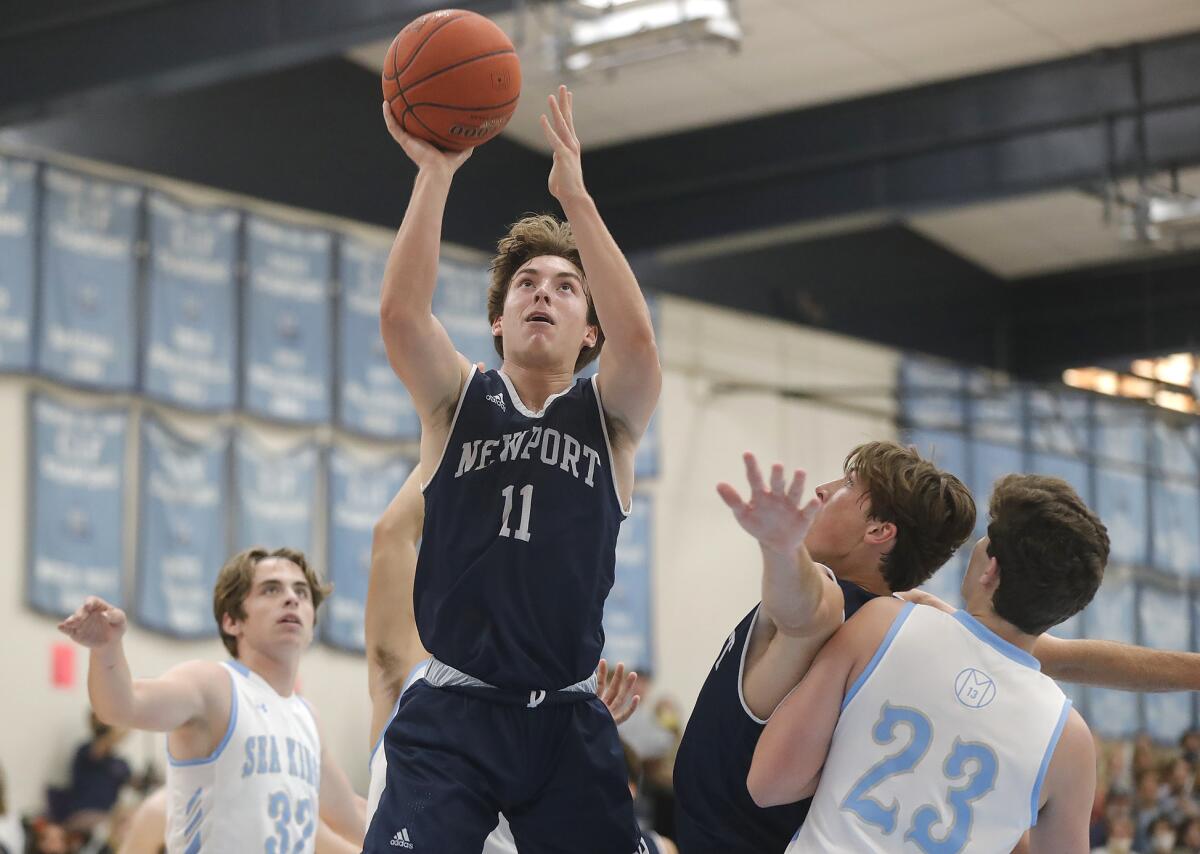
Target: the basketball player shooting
pixel 530 475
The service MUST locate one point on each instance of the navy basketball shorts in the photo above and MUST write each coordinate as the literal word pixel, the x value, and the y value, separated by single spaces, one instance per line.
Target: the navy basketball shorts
pixel 455 760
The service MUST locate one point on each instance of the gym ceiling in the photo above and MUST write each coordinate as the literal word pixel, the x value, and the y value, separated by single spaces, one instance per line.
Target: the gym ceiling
pixel 928 174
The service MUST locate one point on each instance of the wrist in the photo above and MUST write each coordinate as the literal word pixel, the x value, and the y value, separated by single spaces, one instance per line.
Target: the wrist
pixel 576 202
pixel 109 654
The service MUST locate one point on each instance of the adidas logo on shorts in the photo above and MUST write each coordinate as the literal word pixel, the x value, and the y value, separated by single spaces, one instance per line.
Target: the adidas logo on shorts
pixel 401 840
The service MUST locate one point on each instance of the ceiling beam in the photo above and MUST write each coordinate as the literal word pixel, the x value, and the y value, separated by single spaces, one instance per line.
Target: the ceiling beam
pixel 71 54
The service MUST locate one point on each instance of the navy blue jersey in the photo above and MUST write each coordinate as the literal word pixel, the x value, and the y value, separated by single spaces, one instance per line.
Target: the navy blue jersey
pixel 713 809
pixel 519 545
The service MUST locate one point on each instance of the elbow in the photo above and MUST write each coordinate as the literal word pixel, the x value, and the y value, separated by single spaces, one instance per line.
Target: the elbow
pixel 763 790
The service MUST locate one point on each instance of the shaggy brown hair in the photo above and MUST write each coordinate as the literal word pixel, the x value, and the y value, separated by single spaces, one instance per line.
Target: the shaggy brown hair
pixel 933 510
pixel 529 237
pixel 237 578
pixel 1051 549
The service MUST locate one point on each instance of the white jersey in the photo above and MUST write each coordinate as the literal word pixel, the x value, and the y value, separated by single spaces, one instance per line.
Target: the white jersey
pixel 500 841
pixel 258 790
pixel 942 745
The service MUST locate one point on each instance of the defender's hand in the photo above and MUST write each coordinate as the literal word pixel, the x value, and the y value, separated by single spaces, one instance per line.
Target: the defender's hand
pixel 95 624
pixel 772 516
pixel 616 690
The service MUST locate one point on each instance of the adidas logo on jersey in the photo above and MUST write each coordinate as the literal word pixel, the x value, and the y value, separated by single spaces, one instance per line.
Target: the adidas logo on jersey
pixel 401 840
pixel 498 399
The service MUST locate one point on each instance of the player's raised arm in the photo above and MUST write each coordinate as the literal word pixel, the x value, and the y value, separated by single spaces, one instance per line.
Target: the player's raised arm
pixel 631 377
pixel 793 747
pixel 418 347
pixel 1069 789
pixel 802 605
pixel 1109 664
pixel 393 644
pixel 182 695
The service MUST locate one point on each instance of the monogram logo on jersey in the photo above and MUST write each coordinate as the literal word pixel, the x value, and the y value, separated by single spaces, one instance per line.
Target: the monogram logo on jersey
pixel 535 699
pixel 974 688
pixel 498 399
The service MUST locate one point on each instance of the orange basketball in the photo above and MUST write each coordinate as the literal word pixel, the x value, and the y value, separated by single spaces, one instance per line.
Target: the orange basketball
pixel 452 78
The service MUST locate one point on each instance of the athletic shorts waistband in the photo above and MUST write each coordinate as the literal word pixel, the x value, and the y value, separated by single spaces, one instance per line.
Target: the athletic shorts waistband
pixel 442 675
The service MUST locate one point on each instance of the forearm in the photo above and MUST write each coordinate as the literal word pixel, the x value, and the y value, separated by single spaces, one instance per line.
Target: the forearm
pixel 329 842
pixel 620 305
pixel 110 685
pixel 1116 665
pixel 792 592
pixel 410 276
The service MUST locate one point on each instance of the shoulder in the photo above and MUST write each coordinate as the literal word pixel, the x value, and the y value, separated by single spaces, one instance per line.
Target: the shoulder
pixel 1073 762
pixel 1076 745
pixel 206 675
pixel 881 611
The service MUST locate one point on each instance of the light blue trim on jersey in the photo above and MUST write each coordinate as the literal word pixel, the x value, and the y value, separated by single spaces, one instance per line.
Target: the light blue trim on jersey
pixel 408 680
pixel 994 640
pixel 238 666
pixel 883 647
pixel 233 715
pixel 1041 777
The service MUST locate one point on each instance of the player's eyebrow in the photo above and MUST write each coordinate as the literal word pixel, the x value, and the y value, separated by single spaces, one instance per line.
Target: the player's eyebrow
pixel 562 274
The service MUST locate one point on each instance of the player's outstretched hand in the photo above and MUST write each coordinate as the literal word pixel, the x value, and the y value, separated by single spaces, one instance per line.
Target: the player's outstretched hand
pixel 774 516
pixel 920 597
pixel 615 688
pixel 95 624
pixel 420 152
pixel 566 175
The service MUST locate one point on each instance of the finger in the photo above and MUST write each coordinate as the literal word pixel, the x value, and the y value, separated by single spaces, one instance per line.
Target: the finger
pixel 731 498
pixel 626 688
pixel 393 126
pixel 754 475
pixel 569 113
pixel 602 674
pixel 628 713
pixel 115 617
pixel 560 121
pixel 796 490
pixel 813 508
pixel 777 485
pixel 551 136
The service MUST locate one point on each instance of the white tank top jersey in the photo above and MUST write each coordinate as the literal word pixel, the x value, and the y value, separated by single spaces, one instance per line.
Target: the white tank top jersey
pixel 942 745
pixel 258 790
pixel 500 841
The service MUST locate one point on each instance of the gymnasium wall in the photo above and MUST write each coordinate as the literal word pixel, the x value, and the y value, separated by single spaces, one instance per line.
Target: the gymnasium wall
pixel 723 377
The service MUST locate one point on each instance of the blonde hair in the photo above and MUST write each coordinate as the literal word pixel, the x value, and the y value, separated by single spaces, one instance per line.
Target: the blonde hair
pixel 237 578
pixel 529 237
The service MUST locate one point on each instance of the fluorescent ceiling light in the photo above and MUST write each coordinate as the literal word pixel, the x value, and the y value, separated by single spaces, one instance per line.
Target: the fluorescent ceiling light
pixel 628 22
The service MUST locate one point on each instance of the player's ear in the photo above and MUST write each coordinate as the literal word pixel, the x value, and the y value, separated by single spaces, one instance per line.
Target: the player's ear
pixel 497 326
pixel 590 336
pixel 880 533
pixel 990 577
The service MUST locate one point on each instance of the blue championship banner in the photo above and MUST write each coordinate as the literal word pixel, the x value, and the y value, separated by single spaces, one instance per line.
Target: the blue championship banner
pixel 288 322
pixel 17 198
pixel 1111 615
pixel 78 497
pixel 89 280
pixel 373 401
pixel 359 492
pixel 1165 616
pixel 460 303
pixel 190 353
pixel 628 615
pixel 276 496
pixel 183 530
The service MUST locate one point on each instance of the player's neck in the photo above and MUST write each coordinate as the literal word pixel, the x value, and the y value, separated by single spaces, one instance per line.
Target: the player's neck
pixel 279 673
pixel 996 624
pixel 536 385
pixel 862 570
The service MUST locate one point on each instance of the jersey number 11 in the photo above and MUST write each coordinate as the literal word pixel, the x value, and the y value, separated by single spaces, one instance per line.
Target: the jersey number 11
pixel 522 533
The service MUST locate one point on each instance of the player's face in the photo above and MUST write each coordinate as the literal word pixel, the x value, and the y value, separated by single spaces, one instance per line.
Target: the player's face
pixel 279 609
pixel 545 313
pixel 840 528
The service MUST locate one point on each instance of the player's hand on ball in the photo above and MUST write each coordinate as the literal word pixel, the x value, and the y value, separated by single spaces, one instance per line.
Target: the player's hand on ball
pixel 566 175
pixel 95 624
pixel 774 515
pixel 420 152
pixel 615 688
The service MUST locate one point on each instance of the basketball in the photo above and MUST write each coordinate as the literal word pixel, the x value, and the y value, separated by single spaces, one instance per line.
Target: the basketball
pixel 452 78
